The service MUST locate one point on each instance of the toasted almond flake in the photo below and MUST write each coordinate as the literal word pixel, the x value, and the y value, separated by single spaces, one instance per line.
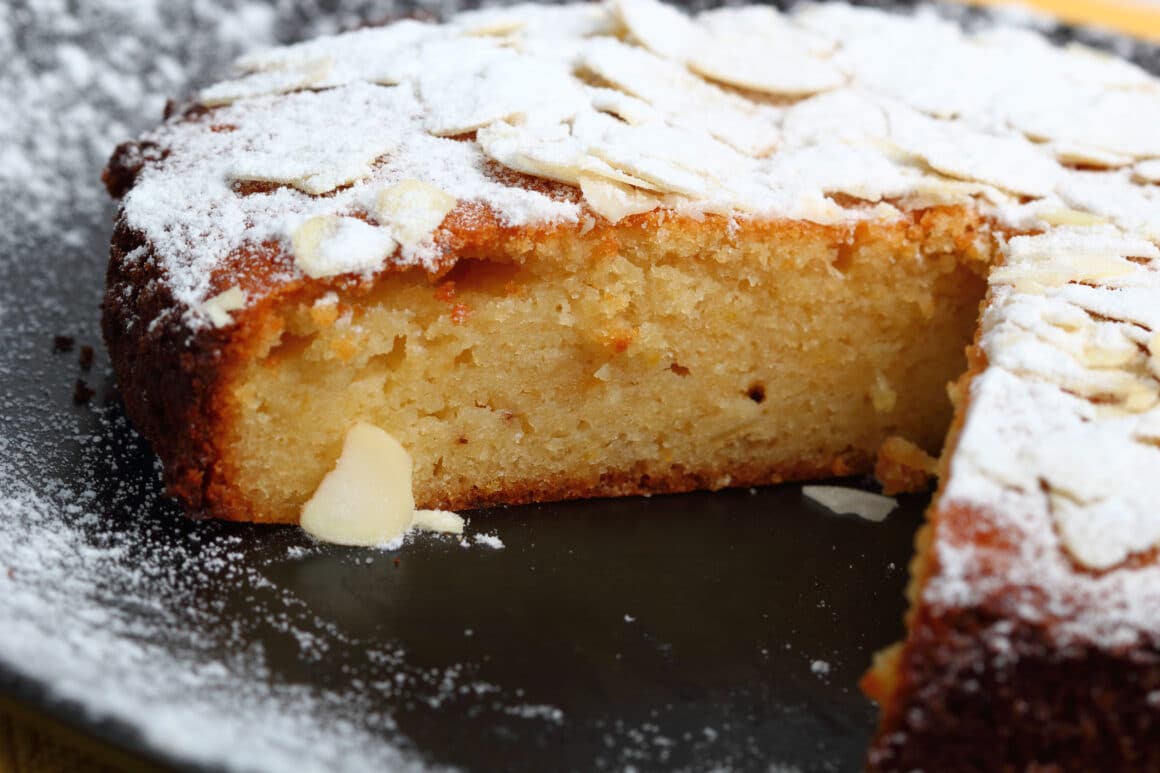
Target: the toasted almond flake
pixel 302 75
pixel 592 165
pixel 218 308
pixel 1065 216
pixel 844 115
pixel 1147 171
pixel 1077 154
pixel 1121 122
pixel 366 499
pixel 332 173
pixel 544 151
pixel 1007 162
pixel 1100 534
pixel 627 108
pixel 1061 270
pixel 854 171
pixel 614 201
pixel 1154 354
pixel 766 23
pixel 1105 241
pixel 850 501
pixel 492 26
pixel 485 83
pixel 660 28
pixel 751 63
pixel 664 173
pixel 329 245
pixel 413 209
pixel 443 521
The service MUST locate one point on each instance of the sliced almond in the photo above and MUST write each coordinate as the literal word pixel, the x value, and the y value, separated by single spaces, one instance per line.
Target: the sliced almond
pixel 765 22
pixel 1147 171
pixel 543 151
pixel 850 501
pixel 660 28
pixel 614 201
pixel 659 171
pixel 1010 163
pixel 443 521
pixel 627 108
pixel 302 75
pixel 844 115
pixel 593 166
pixel 329 245
pixel 1066 216
pixel 218 308
pixel 366 499
pixel 753 64
pixel 1077 154
pixel 485 83
pixel 413 209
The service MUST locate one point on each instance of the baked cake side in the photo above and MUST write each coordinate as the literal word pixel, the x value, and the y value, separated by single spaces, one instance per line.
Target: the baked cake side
pixel 659 354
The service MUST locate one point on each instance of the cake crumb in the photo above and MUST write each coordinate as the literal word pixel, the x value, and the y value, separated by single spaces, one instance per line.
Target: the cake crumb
pixel 490 540
pixel 82 392
pixel 903 467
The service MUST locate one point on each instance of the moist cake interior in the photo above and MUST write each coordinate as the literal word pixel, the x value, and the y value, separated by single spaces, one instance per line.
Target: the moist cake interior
pixel 653 356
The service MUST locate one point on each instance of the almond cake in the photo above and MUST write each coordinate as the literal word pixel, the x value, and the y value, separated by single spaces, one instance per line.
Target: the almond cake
pixel 602 249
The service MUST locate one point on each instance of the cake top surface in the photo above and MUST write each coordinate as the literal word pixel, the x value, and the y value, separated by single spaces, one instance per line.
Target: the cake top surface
pixel 855 114
pixel 346 156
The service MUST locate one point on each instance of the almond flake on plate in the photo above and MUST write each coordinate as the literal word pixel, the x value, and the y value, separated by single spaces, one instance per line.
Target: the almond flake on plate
pixel 852 501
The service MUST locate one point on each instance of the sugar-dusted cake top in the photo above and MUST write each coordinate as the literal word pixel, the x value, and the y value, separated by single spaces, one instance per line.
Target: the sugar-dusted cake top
pixel 829 113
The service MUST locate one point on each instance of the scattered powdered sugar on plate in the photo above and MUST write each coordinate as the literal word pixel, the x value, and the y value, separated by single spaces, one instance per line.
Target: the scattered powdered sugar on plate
pixel 108 600
pixel 82 603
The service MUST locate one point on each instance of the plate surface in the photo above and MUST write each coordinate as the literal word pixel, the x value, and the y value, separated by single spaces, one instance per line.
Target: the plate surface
pixel 699 631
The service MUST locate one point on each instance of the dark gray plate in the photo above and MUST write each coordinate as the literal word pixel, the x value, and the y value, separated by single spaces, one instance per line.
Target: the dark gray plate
pixel 703 631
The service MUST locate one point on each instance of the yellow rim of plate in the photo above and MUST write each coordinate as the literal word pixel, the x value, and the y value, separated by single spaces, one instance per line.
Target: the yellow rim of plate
pixel 1138 18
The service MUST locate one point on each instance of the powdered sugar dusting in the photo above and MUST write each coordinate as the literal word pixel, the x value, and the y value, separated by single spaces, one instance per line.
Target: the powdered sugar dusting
pixel 1060 445
pixel 676 116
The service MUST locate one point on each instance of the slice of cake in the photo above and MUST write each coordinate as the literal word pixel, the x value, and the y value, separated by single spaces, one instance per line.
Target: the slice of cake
pixel 592 250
